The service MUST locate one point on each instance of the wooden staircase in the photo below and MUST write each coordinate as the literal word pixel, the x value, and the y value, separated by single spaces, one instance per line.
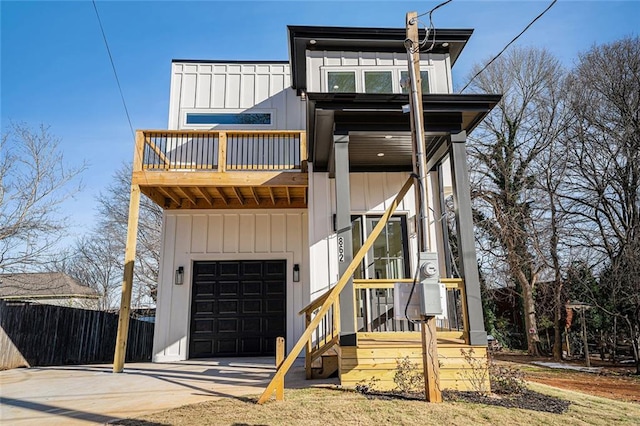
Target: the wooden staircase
pixel 326 315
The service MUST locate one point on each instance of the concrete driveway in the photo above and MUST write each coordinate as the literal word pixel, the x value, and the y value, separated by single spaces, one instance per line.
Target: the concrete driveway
pixel 91 394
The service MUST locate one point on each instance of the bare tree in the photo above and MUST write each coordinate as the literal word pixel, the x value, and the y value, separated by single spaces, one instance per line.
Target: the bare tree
pixel 94 261
pixel 114 212
pixel 504 151
pixel 34 182
pixel 604 92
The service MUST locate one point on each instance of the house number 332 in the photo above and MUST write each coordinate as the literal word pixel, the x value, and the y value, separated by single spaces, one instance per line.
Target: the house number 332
pixel 341 249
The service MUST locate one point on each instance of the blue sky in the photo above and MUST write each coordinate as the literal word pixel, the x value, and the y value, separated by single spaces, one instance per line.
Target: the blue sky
pixel 55 69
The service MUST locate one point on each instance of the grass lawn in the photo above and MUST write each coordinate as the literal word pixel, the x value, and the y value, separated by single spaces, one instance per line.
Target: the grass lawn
pixel 323 406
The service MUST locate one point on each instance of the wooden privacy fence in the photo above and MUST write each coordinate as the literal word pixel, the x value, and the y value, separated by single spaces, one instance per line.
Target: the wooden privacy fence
pixel 40 335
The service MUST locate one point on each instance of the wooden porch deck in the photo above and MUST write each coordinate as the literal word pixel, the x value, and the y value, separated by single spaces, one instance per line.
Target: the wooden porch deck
pixel 209 169
pixel 376 358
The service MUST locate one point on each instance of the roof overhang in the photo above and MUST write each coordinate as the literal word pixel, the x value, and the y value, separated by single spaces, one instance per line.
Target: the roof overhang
pixel 379 130
pixel 303 38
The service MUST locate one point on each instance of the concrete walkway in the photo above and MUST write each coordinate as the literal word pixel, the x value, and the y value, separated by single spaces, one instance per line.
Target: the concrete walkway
pixel 91 394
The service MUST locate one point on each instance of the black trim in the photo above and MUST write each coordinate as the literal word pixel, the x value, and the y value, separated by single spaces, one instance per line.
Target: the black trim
pixel 355 39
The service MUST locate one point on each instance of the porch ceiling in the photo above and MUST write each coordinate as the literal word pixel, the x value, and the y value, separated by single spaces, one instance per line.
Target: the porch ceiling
pixel 379 132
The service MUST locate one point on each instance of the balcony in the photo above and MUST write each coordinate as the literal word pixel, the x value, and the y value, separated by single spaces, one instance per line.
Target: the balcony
pixel 194 169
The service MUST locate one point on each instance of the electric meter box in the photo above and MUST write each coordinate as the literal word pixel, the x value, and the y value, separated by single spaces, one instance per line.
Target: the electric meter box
pixel 432 292
pixel 428 294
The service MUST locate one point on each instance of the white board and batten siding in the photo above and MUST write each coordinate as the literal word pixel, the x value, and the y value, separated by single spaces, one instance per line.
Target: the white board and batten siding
pixel 218 87
pixel 191 236
pixel 319 63
pixel 371 194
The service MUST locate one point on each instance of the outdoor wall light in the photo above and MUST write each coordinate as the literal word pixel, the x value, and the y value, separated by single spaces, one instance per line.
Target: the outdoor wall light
pixel 179 275
pixel 296 273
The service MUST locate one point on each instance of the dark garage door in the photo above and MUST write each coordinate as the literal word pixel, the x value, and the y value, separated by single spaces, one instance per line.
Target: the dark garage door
pixel 237 308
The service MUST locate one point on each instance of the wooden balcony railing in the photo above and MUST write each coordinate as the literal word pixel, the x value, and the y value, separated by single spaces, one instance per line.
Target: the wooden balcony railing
pixel 210 150
pixel 376 314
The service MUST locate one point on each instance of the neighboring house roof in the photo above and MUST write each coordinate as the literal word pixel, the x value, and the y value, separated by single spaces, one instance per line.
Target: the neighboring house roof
pixel 45 285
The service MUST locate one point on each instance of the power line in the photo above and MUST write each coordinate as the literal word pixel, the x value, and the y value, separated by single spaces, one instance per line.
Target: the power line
pixel 434 9
pixel 430 29
pixel 509 44
pixel 113 66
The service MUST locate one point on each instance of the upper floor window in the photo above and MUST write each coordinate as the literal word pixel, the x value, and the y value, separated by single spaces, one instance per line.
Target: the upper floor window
pixel 341 81
pixel 424 79
pixel 242 118
pixel 362 79
pixel 378 82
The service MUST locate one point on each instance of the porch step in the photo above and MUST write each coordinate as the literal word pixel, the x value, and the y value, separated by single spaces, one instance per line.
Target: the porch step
pixel 326 366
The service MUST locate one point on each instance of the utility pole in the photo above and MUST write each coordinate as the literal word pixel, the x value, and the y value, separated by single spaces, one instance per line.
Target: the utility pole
pixel 428 324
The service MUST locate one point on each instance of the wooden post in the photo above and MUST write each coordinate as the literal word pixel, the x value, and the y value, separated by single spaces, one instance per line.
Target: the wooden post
pixel 430 364
pixel 127 282
pixel 429 347
pixel 279 360
pixel 222 152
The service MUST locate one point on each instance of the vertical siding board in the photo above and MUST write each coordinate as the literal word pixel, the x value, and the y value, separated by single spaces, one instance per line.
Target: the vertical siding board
pixel 188 91
pixel 232 91
pixel 278 233
pixel 230 233
pixel 214 234
pixel 247 234
pixel 199 233
pixel 263 233
pixel 203 100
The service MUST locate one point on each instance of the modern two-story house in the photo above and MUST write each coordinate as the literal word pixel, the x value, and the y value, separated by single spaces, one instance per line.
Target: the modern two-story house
pixel 273 173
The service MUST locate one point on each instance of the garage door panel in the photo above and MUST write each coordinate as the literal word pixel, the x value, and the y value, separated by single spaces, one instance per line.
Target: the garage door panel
pixel 202 346
pixel 229 269
pixel 251 325
pixel 203 288
pixel 238 308
pixel 251 307
pixel 274 306
pixel 274 287
pixel 227 288
pixel 252 288
pixel 252 268
pixel 226 346
pixel 228 306
pixel 275 268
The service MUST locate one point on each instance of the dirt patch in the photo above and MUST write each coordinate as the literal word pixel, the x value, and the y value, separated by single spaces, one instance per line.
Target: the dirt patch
pixel 527 400
pixel 614 382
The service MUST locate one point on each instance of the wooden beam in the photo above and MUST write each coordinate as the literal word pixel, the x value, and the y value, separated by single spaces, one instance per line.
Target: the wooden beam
pixel 187 194
pixel 255 195
pixel 239 196
pixel 272 195
pixel 225 200
pixel 208 178
pixel 334 293
pixel 127 281
pixel 205 194
pixel 167 192
pixel 288 195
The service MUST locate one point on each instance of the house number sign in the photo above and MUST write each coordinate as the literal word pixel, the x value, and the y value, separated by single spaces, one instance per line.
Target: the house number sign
pixel 341 249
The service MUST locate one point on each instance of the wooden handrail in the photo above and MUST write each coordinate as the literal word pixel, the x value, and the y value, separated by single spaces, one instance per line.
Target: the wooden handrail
pixel 334 293
pixel 315 304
